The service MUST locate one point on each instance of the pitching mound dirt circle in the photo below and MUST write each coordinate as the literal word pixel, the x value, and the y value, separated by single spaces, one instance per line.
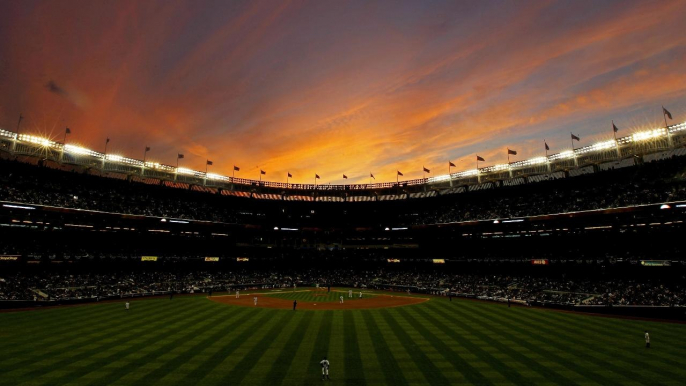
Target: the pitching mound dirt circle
pixel 378 301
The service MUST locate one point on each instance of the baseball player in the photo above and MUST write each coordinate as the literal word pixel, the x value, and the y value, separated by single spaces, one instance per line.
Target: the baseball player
pixel 127 308
pixel 341 299
pixel 255 300
pixel 360 294
pixel 350 293
pixel 647 339
pixel 325 367
pixel 238 294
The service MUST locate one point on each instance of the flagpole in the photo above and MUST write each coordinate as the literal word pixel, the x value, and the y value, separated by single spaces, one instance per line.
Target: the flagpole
pixel 14 144
pixel 65 137
pixel 614 133
pixel 207 164
pixel 145 154
pixel 546 149
pixel 572 139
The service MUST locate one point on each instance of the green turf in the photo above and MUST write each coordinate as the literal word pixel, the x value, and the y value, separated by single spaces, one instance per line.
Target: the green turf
pixel 318 296
pixel 194 341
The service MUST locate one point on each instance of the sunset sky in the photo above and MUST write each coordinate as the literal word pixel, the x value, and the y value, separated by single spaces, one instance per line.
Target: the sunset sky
pixel 337 87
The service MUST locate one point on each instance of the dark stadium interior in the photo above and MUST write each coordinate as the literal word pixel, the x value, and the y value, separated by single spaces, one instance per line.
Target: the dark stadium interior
pixel 83 237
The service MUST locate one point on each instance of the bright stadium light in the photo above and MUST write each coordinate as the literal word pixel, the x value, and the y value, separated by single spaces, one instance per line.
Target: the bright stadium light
pixel 537 161
pixel 80 150
pixel 185 171
pixel 37 140
pixel 444 177
pixel 665 206
pixel 567 154
pixel 648 134
pixel 114 157
pixel 18 206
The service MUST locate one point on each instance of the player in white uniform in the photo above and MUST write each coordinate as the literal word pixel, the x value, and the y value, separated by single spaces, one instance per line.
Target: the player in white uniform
pixel 647 340
pixel 350 293
pixel 255 300
pixel 325 368
pixel 238 294
pixel 341 299
pixel 127 308
pixel 360 294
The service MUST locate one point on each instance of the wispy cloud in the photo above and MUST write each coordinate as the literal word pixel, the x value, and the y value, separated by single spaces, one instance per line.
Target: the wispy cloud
pixel 343 87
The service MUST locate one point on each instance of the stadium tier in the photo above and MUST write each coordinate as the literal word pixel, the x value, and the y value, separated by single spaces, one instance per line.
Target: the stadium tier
pixel 643 145
pixel 73 236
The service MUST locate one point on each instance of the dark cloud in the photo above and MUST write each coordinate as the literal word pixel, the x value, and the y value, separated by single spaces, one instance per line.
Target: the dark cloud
pixel 54 88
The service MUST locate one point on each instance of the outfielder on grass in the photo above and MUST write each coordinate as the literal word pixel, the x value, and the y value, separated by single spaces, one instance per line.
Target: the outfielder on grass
pixel 325 368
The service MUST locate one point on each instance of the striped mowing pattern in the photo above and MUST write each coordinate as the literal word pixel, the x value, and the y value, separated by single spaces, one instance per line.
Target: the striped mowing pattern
pixel 193 341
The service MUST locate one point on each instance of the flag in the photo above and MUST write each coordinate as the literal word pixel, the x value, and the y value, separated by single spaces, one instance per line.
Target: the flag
pixel 574 137
pixel 108 140
pixel 344 176
pixel 316 176
pixel 614 127
pixel 262 172
pixel 371 176
pixel 179 156
pixel 67 131
pixel 290 175
pixel 667 113
pixel 451 164
pixel 512 152
pixel 480 158
pixel 147 148
pixel 236 168
pixel 426 170
pixel 546 146
pixel 400 174
pixel 209 162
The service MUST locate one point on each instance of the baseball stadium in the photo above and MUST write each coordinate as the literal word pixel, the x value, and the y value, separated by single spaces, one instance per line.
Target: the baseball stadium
pixel 443 193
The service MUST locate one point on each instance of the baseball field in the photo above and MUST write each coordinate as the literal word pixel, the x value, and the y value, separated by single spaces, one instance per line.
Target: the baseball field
pixel 193 340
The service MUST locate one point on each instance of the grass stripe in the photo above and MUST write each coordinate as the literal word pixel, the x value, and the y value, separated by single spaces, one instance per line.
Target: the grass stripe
pixel 224 349
pixel 128 328
pixel 174 338
pixel 189 352
pixel 353 362
pixel 618 345
pixel 287 355
pixel 465 367
pixel 470 326
pixel 425 364
pixel 46 335
pixel 243 367
pixel 391 370
pixel 547 340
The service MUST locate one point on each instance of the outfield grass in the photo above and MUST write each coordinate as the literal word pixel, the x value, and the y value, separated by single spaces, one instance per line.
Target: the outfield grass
pixel 193 341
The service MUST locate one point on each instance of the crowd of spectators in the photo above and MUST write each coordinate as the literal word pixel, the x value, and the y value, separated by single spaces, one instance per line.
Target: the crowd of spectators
pixel 657 182
pixel 525 289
